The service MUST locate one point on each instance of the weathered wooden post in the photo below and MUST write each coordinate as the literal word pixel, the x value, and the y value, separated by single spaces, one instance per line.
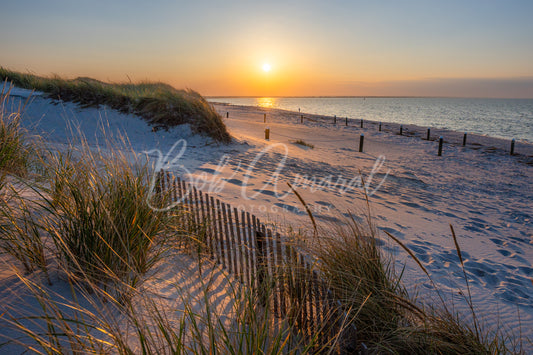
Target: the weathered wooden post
pixel 427 137
pixel 264 118
pixel 440 145
pixel 380 126
pixel 401 130
pixel 267 133
pixel 464 139
pixel 512 147
pixel 361 141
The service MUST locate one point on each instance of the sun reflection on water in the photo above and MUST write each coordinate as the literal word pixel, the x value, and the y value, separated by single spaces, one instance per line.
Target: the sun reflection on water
pixel 267 102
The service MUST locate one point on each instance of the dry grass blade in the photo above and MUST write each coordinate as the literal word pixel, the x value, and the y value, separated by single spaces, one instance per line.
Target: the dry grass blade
pixel 411 254
pixel 469 300
pixel 311 217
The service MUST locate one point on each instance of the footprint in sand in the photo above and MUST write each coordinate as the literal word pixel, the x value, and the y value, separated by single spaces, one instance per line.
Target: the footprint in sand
pixel 237 182
pixel 498 241
pixel 290 208
pixel 266 192
pixel 209 171
pixel 528 271
pixel 504 252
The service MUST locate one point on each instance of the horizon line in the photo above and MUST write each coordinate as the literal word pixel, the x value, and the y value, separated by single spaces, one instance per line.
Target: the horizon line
pixel 363 97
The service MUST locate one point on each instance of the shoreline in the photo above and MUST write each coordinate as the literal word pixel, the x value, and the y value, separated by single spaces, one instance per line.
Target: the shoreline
pixel 523 150
pixel 479 189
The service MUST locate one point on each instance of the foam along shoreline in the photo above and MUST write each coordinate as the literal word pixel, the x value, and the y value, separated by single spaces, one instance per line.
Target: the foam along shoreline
pixel 522 149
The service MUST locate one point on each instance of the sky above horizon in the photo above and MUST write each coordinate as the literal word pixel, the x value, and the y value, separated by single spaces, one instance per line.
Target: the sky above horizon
pixel 314 48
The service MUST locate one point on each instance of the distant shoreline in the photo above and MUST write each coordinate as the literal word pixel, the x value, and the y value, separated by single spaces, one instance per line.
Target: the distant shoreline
pixel 499 118
pixel 490 144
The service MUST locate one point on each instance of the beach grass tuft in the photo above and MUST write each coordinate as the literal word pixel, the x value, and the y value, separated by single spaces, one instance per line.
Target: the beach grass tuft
pixel 98 216
pixel 15 150
pixel 160 104
pixel 303 143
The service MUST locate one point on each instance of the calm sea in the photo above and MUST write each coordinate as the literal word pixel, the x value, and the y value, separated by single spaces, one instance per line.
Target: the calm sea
pixel 502 118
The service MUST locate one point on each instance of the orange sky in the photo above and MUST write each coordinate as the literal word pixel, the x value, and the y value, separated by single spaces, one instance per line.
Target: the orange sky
pixel 420 48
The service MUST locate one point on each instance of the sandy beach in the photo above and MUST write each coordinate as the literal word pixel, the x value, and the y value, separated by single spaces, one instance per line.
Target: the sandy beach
pixel 414 194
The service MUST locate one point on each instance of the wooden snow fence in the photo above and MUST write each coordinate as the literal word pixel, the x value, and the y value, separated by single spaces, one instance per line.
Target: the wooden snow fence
pixel 281 277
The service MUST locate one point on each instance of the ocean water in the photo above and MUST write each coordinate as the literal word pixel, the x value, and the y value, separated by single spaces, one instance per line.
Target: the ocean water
pixel 502 118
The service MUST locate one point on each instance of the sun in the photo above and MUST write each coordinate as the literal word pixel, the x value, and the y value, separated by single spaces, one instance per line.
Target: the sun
pixel 266 67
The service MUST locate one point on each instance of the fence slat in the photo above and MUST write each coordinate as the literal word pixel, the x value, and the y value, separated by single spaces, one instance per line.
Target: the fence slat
pixel 320 316
pixel 227 239
pixel 246 250
pixel 281 276
pixel 233 242
pixel 310 300
pixel 261 274
pixel 205 223
pixel 214 228
pixel 177 187
pixel 218 235
pixel 240 247
pixel 185 197
pixel 251 249
pixel 273 271
pixel 196 211
pixel 290 274
pixel 255 228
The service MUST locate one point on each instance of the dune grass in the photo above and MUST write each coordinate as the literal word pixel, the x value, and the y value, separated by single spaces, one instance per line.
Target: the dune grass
pixel 160 104
pixel 15 150
pixel 88 207
pixel 390 320
pixel 89 214
pixel 98 218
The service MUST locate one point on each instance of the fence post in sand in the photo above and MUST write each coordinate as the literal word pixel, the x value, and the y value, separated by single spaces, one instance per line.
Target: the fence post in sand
pixel 361 123
pixel 440 145
pixel 334 119
pixel 464 139
pixel 301 118
pixel 512 147
pixel 401 130
pixel 227 114
pixel 380 126
pixel 346 120
pixel 427 137
pixel 264 118
pixel 267 133
pixel 361 141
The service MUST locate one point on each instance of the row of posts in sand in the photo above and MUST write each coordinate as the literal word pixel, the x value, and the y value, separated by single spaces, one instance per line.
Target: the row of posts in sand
pixel 362 137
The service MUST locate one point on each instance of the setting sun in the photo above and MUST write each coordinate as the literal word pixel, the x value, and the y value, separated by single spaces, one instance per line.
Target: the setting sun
pixel 266 67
